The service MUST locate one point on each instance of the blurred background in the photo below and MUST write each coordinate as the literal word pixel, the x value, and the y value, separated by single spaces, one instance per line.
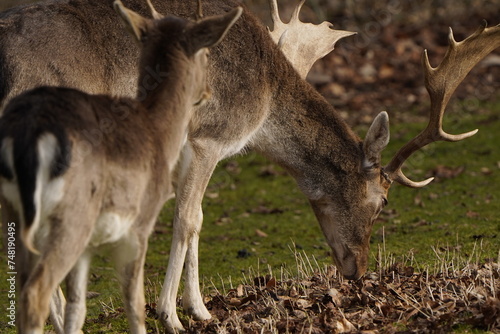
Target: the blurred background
pixel 380 67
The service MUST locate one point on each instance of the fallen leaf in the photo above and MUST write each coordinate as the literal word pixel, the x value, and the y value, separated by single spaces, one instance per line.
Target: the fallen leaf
pixel 386 71
pixel 261 233
pixel 445 172
pixel 235 302
pixel 271 284
pixel 344 326
pixel 212 195
pixel 336 296
pixel 472 214
pixel 92 294
pixel 486 171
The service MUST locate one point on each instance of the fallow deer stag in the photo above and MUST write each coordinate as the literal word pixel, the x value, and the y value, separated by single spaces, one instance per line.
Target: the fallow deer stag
pixel 76 197
pixel 258 101
pixel 292 125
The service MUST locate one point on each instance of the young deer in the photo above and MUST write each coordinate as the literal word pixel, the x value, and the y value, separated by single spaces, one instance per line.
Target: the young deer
pixel 76 197
pixel 259 101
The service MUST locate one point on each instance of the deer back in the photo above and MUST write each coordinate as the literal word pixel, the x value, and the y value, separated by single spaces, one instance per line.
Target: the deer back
pixel 77 44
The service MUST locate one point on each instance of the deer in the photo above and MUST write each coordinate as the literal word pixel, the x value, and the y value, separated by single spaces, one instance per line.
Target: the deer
pixel 260 102
pixel 76 198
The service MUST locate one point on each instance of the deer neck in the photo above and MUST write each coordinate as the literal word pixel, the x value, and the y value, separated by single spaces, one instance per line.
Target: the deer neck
pixel 305 135
pixel 164 92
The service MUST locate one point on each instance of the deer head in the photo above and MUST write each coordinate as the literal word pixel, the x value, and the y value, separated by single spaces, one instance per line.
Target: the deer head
pixel 347 214
pixel 347 203
pixel 303 43
pixel 199 37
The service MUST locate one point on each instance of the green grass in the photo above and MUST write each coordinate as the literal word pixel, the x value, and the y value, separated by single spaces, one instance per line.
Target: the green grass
pixel 457 216
pixel 458 213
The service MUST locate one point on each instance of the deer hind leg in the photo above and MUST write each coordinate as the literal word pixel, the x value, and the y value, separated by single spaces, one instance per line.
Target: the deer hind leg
pixel 129 258
pixel 35 298
pixel 11 226
pixel 58 257
pixel 58 312
pixel 11 229
pixel 196 167
pixel 25 261
pixel 76 287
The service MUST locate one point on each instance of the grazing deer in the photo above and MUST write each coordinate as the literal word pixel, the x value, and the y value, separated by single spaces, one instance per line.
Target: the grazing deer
pixel 75 196
pixel 285 119
pixel 259 101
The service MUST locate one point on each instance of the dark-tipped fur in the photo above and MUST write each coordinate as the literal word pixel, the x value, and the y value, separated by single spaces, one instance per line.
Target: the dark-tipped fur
pixel 5 77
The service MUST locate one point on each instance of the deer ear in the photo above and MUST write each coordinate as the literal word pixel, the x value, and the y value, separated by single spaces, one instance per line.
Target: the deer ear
pixel 376 140
pixel 210 31
pixel 135 23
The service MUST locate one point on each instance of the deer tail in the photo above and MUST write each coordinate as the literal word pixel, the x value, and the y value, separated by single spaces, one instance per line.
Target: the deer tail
pixel 30 162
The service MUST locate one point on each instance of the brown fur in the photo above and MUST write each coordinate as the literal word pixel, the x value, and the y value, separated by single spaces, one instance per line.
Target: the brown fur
pixel 119 155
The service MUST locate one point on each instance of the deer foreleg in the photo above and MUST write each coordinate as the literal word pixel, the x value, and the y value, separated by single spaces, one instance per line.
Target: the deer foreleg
pixel 196 166
pixel 192 300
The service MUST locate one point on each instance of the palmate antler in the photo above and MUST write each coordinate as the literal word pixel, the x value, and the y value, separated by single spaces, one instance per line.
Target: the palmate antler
pixel 303 43
pixel 441 82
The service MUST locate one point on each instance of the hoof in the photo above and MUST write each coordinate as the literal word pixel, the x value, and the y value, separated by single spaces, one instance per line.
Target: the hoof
pixel 171 323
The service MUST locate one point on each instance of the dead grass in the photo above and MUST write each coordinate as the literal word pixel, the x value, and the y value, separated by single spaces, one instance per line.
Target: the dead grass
pixel 455 294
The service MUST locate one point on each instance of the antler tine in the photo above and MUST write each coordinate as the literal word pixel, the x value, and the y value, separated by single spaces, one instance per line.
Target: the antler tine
pixel 296 11
pixel 154 13
pixel 275 15
pixel 441 82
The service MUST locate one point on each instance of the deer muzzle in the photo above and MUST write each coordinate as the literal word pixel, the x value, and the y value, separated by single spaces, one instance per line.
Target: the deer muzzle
pixel 349 254
pixel 351 264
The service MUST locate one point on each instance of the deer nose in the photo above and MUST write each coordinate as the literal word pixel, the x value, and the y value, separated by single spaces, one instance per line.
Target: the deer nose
pixel 347 262
pixel 352 277
pixel 349 265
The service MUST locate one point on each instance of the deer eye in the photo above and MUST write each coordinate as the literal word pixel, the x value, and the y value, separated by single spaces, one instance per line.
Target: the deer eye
pixel 384 201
